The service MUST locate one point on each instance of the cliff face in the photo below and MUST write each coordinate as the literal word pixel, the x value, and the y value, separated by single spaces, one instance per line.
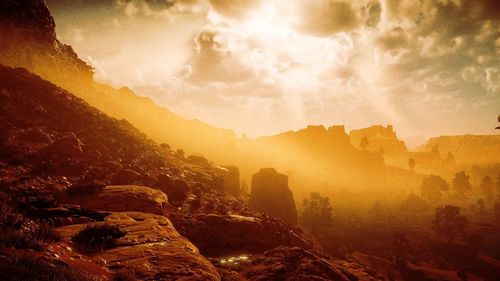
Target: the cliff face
pixel 28 39
pixel 270 194
pixel 382 140
pixel 468 149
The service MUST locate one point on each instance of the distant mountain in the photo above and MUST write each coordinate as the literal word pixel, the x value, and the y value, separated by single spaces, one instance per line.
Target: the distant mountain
pixel 468 149
pixel 314 158
pixel 28 39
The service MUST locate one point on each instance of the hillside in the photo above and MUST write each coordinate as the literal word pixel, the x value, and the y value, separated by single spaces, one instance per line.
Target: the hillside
pixel 66 165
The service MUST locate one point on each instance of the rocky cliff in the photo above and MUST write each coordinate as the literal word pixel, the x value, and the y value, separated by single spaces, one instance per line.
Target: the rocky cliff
pixel 58 156
pixel 381 140
pixel 28 39
pixel 270 194
pixel 468 149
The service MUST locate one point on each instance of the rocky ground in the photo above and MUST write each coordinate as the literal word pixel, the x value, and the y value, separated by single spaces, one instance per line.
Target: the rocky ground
pixel 65 167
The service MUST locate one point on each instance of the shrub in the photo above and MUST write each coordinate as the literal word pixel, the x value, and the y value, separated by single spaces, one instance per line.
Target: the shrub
pixel 25 267
pixel 18 231
pixel 98 237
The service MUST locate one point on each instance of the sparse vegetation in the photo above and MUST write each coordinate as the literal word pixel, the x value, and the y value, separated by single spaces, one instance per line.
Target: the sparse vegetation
pixel 432 188
pixel 27 267
pixel 317 212
pixel 98 237
pixel 449 223
pixel 16 230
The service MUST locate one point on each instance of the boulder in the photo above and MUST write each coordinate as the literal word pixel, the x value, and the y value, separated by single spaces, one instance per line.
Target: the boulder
pixel 151 248
pixel 231 179
pixel 270 194
pixel 164 181
pixel 233 234
pixel 67 146
pixel 125 176
pixel 121 198
pixel 178 191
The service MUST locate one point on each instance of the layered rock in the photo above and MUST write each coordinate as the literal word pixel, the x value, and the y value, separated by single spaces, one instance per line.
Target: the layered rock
pixel 120 198
pixel 234 234
pixel 289 263
pixel 270 194
pixel 152 248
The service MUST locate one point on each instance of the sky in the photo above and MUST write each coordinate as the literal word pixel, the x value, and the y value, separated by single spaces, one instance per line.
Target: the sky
pixel 261 67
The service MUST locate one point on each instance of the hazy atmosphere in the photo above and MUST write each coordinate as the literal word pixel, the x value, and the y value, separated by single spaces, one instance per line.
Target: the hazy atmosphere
pixel 249 140
pixel 242 64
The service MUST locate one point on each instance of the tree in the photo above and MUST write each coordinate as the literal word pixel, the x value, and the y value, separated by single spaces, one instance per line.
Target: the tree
pixel 480 206
pixel 461 182
pixel 411 163
pixel 432 188
pixel 414 205
pixel 487 187
pixel 364 143
pixel 317 212
pixel 448 222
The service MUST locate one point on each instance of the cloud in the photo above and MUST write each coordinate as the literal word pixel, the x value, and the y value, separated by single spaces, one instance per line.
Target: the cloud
pixel 214 62
pixel 299 62
pixel 235 8
pixel 324 18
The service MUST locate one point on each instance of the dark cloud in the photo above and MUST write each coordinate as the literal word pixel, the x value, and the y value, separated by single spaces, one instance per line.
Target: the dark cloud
pixel 392 39
pixel 213 62
pixel 372 12
pixel 235 8
pixel 323 18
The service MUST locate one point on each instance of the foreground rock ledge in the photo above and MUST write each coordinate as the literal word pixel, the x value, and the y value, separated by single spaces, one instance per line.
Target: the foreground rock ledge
pixel 152 248
pixel 122 198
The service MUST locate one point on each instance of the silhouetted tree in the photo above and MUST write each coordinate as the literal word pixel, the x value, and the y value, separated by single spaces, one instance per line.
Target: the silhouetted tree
pixel 432 188
pixel 411 163
pixel 413 204
pixel 487 187
pixel 449 223
pixel 400 245
pixel 461 182
pixel 364 143
pixel 317 212
pixel 480 206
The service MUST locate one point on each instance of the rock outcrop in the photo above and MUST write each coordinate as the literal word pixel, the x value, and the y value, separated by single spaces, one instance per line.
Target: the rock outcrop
pixel 152 248
pixel 28 39
pixel 382 140
pixel 231 179
pixel 234 234
pixel 289 263
pixel 270 194
pixel 120 198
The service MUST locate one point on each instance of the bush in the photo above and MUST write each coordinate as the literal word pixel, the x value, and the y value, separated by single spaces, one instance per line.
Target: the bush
pixel 16 230
pixel 98 237
pixel 24 267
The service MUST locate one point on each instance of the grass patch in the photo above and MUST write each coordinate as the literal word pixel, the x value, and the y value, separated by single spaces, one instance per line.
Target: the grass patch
pixel 98 237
